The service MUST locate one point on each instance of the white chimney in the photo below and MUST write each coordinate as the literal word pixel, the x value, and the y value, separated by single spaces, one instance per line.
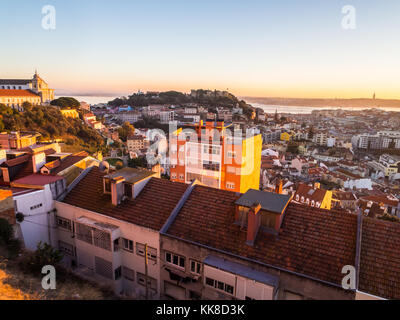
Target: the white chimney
pixel 117 190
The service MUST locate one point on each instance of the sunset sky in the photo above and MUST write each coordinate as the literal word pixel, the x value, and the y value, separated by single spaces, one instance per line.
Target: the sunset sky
pixel 282 48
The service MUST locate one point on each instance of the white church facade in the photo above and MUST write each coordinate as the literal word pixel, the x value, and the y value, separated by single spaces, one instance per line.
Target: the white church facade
pixel 14 92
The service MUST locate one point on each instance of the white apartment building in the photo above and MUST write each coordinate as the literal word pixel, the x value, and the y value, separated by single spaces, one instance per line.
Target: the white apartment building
pixel 34 197
pixel 104 232
pixel 167 116
pixel 129 116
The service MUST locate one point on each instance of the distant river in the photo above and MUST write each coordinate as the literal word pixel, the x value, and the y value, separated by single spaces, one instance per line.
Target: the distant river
pixel 266 107
pixel 306 110
pixel 92 99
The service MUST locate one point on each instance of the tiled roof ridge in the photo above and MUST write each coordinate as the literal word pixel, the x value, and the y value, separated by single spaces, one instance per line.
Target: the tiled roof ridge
pixel 178 206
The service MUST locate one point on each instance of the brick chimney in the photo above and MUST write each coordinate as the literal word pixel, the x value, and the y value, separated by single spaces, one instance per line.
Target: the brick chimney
pixel 38 160
pixel 117 190
pixel 157 169
pixel 278 186
pixel 253 223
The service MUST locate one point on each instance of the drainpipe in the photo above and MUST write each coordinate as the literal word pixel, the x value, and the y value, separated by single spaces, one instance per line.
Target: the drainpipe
pixel 358 246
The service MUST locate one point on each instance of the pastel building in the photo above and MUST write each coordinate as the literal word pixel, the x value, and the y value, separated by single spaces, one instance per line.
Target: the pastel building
pixel 216 157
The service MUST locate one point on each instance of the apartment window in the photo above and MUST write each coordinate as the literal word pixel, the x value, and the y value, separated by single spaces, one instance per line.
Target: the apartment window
pixel 66 248
pixel 36 206
pixel 64 223
pixel 103 267
pixel 117 273
pixel 151 282
pixel 173 176
pixel 140 249
pixel 195 267
pixel 84 233
pixel 231 154
pixel 219 285
pixel 181 176
pixel 213 166
pixel 211 149
pixel 128 244
pixel 175 259
pixel 230 185
pixel 151 252
pixel 102 239
pixel 128 274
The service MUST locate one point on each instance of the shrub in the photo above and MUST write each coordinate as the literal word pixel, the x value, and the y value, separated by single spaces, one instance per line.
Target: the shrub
pixel 6 232
pixel 44 255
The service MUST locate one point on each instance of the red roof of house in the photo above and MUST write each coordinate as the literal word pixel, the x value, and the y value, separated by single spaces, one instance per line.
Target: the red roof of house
pixel 16 161
pixel 382 199
pixel 380 258
pixel 17 93
pixel 58 165
pixel 309 192
pixel 313 242
pixel 150 208
pixel 37 180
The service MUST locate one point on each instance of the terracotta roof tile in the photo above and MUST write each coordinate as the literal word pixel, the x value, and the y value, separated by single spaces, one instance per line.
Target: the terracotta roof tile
pixel 380 258
pixel 313 242
pixel 17 93
pixel 150 209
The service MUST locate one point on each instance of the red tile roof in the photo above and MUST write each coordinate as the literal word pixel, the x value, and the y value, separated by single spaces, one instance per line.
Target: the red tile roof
pixel 150 209
pixel 382 199
pixel 309 192
pixel 17 93
pixel 59 165
pixel 380 258
pixel 16 161
pixel 313 242
pixel 36 180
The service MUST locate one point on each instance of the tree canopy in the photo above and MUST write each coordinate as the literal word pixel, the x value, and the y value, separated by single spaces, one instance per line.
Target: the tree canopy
pixel 65 102
pixel 51 124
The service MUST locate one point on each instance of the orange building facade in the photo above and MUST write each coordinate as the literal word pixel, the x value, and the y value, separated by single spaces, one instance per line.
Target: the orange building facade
pixel 217 156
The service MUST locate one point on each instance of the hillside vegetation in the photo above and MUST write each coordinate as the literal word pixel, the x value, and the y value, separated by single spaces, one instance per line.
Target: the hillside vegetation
pixel 179 98
pixel 51 124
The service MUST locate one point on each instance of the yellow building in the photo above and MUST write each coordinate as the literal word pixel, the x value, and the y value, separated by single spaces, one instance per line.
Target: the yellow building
pixel 216 158
pixel 15 98
pixel 286 136
pixel 70 113
pixel 17 91
pixel 314 196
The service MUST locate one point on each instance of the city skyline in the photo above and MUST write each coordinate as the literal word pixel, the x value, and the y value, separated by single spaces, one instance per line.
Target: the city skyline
pixel 259 49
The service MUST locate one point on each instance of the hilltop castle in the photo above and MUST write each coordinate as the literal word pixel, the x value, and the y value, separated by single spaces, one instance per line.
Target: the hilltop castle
pixel 14 92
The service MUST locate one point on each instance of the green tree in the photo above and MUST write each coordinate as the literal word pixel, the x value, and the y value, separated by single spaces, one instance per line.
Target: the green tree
pixel 140 162
pixel 44 255
pixel 65 102
pixel 126 131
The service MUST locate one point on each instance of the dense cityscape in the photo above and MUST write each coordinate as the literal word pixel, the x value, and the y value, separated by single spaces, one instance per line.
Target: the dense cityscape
pixel 199 159
pixel 236 184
